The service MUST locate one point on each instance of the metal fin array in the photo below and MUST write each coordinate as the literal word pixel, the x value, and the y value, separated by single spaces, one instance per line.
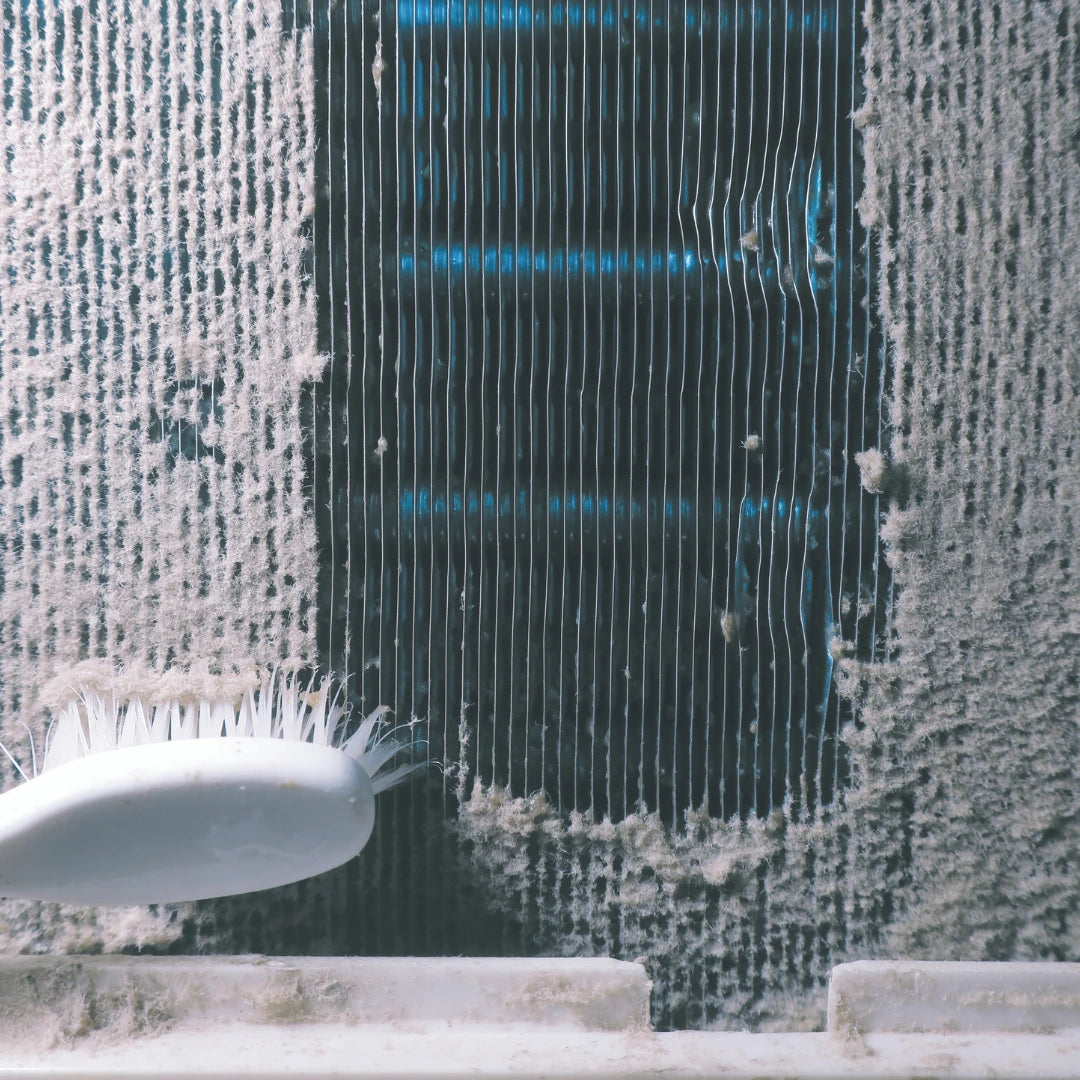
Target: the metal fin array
pixel 596 298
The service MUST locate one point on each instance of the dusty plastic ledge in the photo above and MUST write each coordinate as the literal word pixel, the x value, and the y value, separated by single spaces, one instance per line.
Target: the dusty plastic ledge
pixel 148 995
pixel 894 996
pixel 376 1019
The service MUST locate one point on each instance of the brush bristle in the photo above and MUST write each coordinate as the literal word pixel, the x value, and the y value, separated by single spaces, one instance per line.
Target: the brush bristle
pixel 100 718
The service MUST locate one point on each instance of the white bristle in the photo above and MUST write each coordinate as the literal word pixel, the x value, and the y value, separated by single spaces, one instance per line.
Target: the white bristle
pixel 99 720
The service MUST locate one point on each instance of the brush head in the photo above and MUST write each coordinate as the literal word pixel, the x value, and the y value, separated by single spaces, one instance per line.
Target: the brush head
pixel 96 712
pixel 154 793
pixel 187 820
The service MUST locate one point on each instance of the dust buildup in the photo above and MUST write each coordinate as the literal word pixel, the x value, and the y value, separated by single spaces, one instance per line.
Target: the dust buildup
pixel 65 1004
pixel 970 742
pixel 689 903
pixel 873 472
pixel 156 192
pixel 33 927
pixel 290 997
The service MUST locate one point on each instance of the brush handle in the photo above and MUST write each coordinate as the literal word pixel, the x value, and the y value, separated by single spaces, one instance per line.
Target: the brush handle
pixel 187 820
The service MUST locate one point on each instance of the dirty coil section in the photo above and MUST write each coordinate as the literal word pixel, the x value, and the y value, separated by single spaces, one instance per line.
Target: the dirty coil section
pixel 157 325
pixel 156 328
pixel 973 179
pixel 585 461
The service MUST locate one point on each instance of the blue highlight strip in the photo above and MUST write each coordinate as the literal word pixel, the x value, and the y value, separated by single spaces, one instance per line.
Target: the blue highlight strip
pixel 520 16
pixel 574 264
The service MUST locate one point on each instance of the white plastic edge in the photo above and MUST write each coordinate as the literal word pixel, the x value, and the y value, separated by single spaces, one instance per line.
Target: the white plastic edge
pixel 952 996
pixel 448 1019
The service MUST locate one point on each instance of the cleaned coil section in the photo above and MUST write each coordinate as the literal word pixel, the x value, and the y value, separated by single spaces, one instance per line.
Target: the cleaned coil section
pixel 596 296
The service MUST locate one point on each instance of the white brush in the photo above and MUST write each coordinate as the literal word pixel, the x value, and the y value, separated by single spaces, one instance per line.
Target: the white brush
pixel 141 803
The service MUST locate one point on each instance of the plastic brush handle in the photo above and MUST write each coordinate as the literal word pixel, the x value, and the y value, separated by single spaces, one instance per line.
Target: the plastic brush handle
pixel 189 820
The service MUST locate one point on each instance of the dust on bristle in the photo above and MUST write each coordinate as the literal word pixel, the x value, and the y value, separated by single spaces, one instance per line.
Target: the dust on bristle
pixel 95 711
